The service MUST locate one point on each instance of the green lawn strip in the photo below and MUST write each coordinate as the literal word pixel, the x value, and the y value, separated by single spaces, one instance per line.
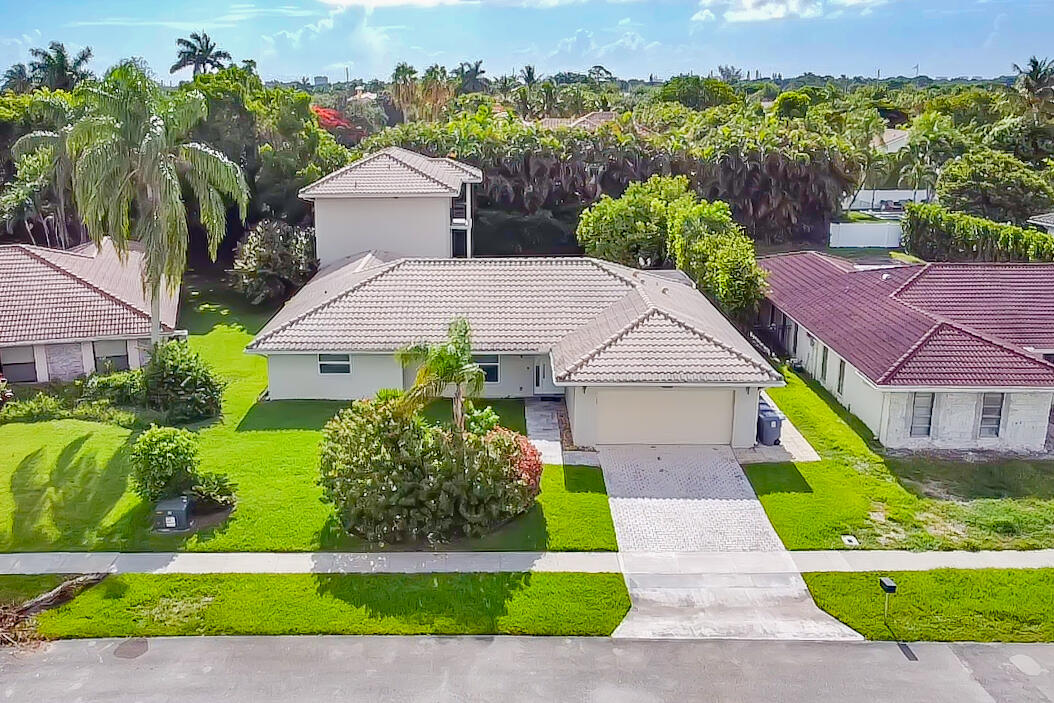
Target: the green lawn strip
pixel 985 605
pixel 510 411
pixel 16 590
pixel 69 486
pixel 913 503
pixel 139 605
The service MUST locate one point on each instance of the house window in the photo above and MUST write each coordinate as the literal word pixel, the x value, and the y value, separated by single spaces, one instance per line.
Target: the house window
pixel 794 338
pixel 823 364
pixel 921 415
pixel 334 364
pixel 489 364
pixel 111 355
pixel 1048 357
pixel 841 376
pixel 18 365
pixel 991 414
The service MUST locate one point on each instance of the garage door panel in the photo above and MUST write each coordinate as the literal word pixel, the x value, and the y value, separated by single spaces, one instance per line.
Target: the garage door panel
pixel 664 416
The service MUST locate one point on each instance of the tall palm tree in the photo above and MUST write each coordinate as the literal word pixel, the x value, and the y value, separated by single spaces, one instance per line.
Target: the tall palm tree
pixel 436 90
pixel 1035 84
pixel 528 76
pixel 54 67
pixel 471 77
pixel 200 52
pixel 445 365
pixel 505 84
pixel 404 89
pixel 548 99
pixel 17 79
pixel 131 156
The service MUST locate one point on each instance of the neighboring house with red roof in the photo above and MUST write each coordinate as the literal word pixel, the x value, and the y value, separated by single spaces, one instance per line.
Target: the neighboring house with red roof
pixel 942 355
pixel 65 314
pixel 396 200
pixel 639 357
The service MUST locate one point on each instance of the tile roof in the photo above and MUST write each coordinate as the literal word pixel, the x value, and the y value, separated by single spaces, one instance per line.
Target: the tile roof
pixel 84 293
pixel 590 120
pixel 603 323
pixel 394 171
pixel 940 325
pixel 1044 220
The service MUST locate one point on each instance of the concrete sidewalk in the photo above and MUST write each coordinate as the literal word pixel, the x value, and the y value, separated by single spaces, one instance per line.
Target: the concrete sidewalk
pixel 635 563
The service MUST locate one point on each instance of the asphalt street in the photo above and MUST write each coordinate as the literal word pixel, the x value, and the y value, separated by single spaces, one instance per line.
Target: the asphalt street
pixel 208 669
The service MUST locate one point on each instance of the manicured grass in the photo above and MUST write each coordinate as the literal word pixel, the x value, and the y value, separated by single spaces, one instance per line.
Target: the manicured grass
pixel 138 605
pixel 989 605
pixel 69 486
pixel 509 410
pixel 913 503
pixel 16 590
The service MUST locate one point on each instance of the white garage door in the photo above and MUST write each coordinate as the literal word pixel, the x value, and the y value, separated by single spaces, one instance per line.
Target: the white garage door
pixel 664 416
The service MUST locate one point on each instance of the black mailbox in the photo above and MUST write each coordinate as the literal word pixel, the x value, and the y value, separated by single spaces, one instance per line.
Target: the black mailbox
pixel 172 515
pixel 888 585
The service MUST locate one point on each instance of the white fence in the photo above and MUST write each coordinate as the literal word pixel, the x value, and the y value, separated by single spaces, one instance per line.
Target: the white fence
pixel 866 234
pixel 872 199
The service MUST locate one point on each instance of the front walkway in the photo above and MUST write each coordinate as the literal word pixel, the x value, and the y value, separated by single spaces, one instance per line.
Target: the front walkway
pixel 697 499
pixel 543 428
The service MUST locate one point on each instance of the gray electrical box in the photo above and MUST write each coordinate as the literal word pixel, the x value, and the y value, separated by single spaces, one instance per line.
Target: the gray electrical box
pixel 770 423
pixel 172 515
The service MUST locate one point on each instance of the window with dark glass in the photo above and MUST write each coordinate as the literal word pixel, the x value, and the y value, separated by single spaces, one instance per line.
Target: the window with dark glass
pixel 18 365
pixel 334 363
pixel 111 355
pixel 489 364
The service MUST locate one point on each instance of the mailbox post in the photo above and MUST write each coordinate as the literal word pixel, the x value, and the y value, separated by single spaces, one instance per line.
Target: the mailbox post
pixel 889 587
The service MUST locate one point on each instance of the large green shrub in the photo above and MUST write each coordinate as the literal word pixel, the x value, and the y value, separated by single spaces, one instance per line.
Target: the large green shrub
pixel 696 92
pixel 396 478
pixel 935 234
pixel 164 462
pixel 44 406
pixel 178 382
pixel 121 388
pixel 273 260
pixel 995 186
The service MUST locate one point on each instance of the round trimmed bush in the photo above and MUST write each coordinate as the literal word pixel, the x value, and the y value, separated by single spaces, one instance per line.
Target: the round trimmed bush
pixel 177 381
pixel 164 462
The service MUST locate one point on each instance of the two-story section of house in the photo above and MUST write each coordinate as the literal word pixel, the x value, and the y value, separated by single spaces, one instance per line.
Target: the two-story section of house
pixel 394 200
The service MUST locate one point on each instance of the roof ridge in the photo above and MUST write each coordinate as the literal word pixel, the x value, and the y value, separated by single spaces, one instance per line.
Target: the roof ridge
pixel 713 340
pixel 383 269
pixel 341 170
pixel 911 351
pixel 70 274
pixel 911 280
pixel 410 166
pixel 592 354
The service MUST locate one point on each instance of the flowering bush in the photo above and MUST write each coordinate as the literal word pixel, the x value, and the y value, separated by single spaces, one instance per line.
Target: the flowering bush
pixel 527 463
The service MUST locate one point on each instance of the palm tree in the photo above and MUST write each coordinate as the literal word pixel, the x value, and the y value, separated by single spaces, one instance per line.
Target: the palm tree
pixel 521 99
pixel 54 67
pixel 17 79
pixel 528 76
pixel 471 77
pixel 505 84
pixel 131 157
pixel 445 365
pixel 200 52
pixel 548 98
pixel 404 88
pixel 1035 84
pixel 435 91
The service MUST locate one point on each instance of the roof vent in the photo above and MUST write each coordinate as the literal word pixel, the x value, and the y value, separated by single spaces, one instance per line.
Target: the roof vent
pixel 887 276
pixel 665 291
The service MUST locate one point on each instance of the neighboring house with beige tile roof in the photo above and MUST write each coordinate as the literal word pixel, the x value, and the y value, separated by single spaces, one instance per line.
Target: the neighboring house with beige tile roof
pixel 65 314
pixel 640 358
pixel 394 199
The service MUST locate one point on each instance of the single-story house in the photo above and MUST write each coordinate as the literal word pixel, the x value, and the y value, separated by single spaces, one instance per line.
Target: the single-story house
pixel 639 357
pixel 943 355
pixel 1044 221
pixel 65 314
pixel 396 200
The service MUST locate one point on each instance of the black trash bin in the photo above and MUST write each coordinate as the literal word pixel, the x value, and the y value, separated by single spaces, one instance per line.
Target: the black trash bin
pixel 770 423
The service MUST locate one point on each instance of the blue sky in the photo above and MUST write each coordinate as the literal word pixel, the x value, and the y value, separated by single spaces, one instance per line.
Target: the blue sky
pixel 633 38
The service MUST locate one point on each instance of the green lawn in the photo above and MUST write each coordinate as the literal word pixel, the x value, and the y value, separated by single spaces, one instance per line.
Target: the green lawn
pixel 913 503
pixel 69 479
pixel 990 605
pixel 396 604
pixel 16 590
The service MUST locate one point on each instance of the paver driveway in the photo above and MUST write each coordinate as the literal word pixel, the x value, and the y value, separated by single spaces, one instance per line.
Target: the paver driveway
pixel 683 499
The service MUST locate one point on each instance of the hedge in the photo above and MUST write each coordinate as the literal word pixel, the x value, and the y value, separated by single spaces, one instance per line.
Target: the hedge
pixel 935 234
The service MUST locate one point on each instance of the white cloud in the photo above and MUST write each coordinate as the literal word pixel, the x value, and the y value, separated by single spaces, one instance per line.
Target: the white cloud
pixel 703 15
pixel 436 3
pixel 766 10
pixel 231 17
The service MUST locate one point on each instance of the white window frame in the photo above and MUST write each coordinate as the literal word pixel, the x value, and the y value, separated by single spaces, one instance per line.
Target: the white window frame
pixel 841 376
pixel 103 356
pixel 331 361
pixel 824 354
pixel 484 361
pixel 20 353
pixel 915 420
pixel 984 431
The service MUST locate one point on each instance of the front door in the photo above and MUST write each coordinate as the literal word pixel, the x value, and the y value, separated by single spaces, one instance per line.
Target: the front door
pixel 543 382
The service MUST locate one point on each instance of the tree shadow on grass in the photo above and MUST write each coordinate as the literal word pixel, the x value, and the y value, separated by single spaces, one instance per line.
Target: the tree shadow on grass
pixel 436 602
pixel 584 479
pixel 268 415
pixel 209 302
pixel 65 508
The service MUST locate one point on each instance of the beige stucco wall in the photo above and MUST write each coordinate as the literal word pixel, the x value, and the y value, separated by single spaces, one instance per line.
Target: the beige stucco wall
pixel 407 226
pixel 515 376
pixel 293 376
pixel 956 419
pixel 653 415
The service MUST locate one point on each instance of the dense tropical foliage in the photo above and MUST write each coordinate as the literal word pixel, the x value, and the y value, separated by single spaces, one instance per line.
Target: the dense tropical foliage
pixel 936 234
